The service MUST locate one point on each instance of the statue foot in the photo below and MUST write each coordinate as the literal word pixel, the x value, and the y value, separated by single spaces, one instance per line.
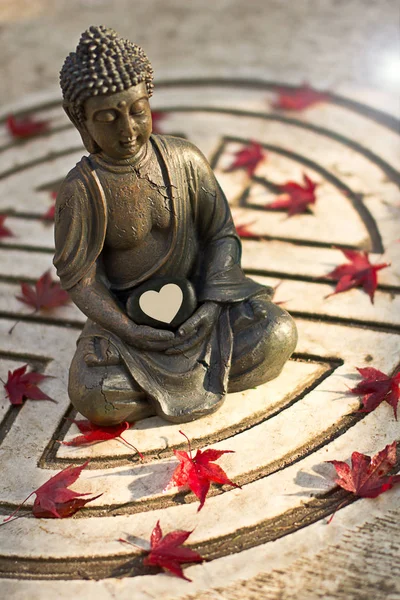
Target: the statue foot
pixel 100 352
pixel 260 354
pixel 104 394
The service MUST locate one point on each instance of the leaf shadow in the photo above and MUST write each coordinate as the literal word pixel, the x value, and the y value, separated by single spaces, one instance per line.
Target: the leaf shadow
pixel 150 479
pixel 320 483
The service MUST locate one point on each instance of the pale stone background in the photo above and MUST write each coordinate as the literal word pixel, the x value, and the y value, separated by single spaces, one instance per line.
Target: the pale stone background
pixel 350 47
pixel 328 43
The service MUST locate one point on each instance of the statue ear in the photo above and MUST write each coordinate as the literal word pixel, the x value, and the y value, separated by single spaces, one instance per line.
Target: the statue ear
pixel 87 139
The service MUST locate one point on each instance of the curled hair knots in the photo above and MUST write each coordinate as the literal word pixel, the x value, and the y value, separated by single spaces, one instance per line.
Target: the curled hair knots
pixel 102 64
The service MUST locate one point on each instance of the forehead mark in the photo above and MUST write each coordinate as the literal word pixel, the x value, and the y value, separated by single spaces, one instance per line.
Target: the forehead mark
pixel 122 104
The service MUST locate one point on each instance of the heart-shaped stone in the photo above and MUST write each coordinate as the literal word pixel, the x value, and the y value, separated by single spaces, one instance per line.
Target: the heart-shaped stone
pixel 171 301
pixel 163 305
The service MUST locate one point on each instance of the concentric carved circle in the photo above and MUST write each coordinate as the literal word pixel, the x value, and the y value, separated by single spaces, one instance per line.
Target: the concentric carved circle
pixel 283 432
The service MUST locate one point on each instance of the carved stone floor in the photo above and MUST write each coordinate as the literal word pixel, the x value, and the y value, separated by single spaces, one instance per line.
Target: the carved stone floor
pixel 270 540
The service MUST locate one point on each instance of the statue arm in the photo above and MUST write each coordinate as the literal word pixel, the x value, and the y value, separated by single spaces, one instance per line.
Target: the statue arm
pixel 94 299
pixel 221 278
pixel 91 295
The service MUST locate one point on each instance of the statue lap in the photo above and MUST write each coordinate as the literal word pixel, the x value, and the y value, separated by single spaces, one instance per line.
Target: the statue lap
pixel 107 394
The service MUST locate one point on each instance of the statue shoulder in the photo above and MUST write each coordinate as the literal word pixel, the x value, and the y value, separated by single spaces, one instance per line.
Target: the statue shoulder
pixel 73 187
pixel 185 150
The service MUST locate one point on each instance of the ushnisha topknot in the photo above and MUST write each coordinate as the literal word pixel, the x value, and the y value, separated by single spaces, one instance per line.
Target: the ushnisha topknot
pixel 102 64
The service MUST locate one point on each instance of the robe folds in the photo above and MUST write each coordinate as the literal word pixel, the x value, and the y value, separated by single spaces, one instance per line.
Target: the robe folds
pixel 204 248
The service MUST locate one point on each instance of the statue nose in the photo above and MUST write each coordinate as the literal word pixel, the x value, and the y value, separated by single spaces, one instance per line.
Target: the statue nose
pixel 127 127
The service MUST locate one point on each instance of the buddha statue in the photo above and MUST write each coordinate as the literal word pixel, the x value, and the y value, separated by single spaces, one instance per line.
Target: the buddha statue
pixel 140 209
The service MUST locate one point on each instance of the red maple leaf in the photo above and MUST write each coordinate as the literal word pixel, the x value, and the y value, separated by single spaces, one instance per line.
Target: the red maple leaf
pixel 50 213
pixel 247 158
pixel 4 231
pixel 296 197
pixel 20 386
pixel 243 231
pixel 157 116
pixel 198 472
pixel 25 127
pixel 377 387
pixel 298 98
pixel 92 433
pixel 359 272
pixel 367 477
pixel 167 552
pixel 54 499
pixel 46 293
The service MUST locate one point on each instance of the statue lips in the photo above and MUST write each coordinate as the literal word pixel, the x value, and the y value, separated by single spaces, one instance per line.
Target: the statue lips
pixel 130 146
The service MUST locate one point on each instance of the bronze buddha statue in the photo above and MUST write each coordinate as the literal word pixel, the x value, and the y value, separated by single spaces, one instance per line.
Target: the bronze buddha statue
pixel 142 207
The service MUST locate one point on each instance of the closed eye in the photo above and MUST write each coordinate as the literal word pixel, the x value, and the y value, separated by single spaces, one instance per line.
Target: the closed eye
pixel 138 108
pixel 105 116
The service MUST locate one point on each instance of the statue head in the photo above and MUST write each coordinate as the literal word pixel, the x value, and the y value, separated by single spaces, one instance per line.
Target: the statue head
pixel 103 68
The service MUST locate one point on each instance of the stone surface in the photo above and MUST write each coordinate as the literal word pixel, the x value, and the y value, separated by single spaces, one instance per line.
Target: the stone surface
pixel 270 539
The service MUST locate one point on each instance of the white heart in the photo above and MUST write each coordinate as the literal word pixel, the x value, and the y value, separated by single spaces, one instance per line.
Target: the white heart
pixel 163 305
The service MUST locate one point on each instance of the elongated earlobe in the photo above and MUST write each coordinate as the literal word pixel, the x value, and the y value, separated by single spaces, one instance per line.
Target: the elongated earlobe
pixel 87 139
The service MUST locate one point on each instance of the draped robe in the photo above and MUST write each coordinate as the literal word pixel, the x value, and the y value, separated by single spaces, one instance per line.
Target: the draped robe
pixel 204 248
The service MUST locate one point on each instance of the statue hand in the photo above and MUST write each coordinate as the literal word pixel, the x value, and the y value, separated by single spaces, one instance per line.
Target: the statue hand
pixel 259 306
pixel 149 338
pixel 195 328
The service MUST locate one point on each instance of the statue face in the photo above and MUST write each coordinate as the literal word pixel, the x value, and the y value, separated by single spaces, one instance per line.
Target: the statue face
pixel 120 123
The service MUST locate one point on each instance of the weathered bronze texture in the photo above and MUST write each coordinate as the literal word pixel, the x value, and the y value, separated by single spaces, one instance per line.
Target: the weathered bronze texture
pixel 144 206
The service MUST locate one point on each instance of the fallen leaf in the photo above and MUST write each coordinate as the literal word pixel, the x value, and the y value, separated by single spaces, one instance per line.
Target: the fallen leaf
pixel 377 387
pixel 299 98
pixel 54 499
pixel 197 473
pixel 92 433
pixel 157 117
pixel 243 231
pixel 25 127
pixel 247 158
pixel 359 272
pixel 46 294
pixel 21 386
pixel 49 214
pixel 296 198
pixel 168 553
pixel 367 477
pixel 4 231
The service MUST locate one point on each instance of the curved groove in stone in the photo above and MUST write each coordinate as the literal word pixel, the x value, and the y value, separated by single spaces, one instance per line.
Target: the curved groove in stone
pixel 39 161
pixel 16 567
pixel 355 199
pixel 374 114
pixel 269 530
pixel 379 116
pixel 390 171
pixel 359 206
pixel 49 459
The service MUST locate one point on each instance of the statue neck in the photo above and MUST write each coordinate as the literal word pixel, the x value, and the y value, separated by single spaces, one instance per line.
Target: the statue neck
pixel 126 164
